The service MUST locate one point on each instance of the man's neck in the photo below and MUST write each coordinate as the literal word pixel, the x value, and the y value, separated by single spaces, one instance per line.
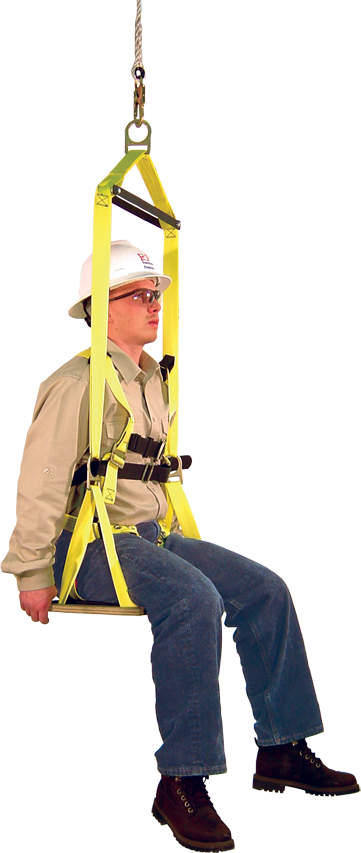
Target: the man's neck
pixel 134 351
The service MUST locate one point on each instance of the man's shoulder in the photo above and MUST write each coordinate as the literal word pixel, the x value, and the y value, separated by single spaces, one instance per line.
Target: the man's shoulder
pixel 77 368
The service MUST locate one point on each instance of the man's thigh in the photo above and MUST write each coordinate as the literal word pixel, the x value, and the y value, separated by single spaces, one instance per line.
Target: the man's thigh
pixel 234 576
pixel 155 577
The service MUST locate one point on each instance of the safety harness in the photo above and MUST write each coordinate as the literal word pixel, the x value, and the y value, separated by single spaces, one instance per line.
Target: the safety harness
pixel 101 474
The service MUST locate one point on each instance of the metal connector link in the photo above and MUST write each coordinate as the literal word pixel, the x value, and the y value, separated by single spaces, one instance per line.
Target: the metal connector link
pixel 117 456
pixel 160 451
pixel 147 473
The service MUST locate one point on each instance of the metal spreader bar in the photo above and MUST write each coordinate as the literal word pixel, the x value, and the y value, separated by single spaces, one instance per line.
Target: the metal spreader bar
pixel 139 207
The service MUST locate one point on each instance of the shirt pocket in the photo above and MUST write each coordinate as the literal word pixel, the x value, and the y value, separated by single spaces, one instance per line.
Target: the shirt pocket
pixel 112 431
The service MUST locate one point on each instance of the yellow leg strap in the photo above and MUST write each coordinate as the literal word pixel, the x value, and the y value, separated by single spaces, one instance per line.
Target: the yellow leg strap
pixel 108 539
pixel 78 545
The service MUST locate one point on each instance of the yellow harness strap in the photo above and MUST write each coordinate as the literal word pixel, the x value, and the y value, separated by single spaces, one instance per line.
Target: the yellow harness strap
pixel 177 501
pixel 117 456
pixel 102 490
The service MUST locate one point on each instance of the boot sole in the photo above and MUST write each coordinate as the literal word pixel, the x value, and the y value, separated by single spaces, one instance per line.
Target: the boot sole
pixel 214 846
pixel 263 783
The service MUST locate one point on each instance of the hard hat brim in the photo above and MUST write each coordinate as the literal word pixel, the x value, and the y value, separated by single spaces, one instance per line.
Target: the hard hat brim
pixel 163 281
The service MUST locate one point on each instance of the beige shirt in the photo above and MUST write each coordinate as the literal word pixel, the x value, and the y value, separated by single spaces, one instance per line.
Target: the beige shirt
pixel 58 443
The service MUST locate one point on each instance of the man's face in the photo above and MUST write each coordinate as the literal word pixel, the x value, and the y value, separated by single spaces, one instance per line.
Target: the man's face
pixel 132 321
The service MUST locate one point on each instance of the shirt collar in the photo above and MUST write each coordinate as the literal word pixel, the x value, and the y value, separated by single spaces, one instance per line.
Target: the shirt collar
pixel 128 368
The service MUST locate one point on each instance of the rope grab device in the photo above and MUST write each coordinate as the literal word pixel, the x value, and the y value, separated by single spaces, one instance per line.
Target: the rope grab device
pixel 102 474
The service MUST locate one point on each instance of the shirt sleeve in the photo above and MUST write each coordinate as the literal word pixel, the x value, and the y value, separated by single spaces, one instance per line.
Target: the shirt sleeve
pixel 57 439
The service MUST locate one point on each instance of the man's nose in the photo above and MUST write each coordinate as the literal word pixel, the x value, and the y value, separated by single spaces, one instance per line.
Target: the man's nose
pixel 155 307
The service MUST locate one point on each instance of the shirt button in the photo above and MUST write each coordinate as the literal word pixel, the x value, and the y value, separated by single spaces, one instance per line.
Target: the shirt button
pixel 46 471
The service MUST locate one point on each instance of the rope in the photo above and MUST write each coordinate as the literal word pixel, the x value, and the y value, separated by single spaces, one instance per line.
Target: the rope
pixel 138 37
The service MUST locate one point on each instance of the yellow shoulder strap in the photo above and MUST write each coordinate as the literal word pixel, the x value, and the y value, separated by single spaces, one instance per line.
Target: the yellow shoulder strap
pixel 116 458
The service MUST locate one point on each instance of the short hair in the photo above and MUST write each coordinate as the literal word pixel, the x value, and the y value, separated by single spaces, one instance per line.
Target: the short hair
pixel 87 306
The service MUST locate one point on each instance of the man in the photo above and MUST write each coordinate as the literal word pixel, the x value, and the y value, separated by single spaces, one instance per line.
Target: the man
pixel 184 586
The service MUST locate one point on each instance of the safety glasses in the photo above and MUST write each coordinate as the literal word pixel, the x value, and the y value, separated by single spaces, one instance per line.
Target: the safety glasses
pixel 143 296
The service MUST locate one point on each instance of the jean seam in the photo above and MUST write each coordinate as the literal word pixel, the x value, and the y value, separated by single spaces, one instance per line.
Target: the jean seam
pixel 294 736
pixel 196 770
pixel 184 635
pixel 195 715
pixel 267 700
pixel 266 694
pixel 267 697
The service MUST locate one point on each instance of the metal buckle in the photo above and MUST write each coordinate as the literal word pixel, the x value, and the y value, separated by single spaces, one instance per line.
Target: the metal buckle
pixel 147 473
pixel 120 461
pixel 160 451
pixel 176 476
pixel 91 479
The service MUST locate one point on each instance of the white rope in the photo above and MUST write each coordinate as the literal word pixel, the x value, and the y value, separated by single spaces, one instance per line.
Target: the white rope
pixel 138 36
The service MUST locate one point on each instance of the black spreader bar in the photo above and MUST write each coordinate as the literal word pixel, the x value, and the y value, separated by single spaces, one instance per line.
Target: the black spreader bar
pixel 136 205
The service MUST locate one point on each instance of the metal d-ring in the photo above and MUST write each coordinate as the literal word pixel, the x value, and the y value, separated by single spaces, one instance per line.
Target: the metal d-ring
pixel 144 142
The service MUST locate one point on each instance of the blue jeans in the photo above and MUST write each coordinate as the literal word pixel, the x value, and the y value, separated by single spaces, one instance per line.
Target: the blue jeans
pixel 185 588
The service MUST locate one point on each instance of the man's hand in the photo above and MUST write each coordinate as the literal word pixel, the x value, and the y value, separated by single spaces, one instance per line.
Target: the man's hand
pixel 36 603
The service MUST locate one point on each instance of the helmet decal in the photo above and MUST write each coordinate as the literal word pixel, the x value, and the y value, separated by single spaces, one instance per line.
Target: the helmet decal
pixel 147 263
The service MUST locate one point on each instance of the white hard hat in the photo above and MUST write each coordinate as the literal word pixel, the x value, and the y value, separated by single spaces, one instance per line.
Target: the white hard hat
pixel 127 263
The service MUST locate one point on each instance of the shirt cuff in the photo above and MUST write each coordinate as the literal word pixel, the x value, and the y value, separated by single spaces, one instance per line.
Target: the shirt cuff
pixel 35 579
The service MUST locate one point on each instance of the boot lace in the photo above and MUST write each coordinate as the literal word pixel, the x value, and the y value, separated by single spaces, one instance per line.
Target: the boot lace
pixel 192 788
pixel 307 753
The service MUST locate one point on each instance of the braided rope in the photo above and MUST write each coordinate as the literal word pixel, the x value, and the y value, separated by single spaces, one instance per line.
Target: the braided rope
pixel 138 62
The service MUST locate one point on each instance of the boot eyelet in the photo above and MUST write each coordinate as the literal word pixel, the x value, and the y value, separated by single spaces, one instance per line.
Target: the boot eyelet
pixel 183 797
pixel 307 757
pixel 186 804
pixel 318 765
pixel 190 811
pixel 312 761
pixel 179 791
pixel 301 753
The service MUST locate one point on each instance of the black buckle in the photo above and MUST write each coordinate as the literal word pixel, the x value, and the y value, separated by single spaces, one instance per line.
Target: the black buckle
pixel 147 473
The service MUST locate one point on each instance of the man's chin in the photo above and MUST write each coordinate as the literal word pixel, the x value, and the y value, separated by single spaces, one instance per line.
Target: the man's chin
pixel 152 336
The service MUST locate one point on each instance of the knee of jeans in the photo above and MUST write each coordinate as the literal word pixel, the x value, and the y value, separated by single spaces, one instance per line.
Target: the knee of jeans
pixel 206 600
pixel 278 590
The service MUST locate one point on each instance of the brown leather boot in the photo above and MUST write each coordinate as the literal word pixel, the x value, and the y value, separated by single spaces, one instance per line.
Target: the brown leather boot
pixel 294 765
pixel 183 803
